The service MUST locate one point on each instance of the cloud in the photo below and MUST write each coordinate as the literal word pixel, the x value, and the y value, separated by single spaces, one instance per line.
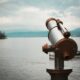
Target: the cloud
pixel 10 6
pixel 34 18
pixel 29 16
pixel 74 11
pixel 32 15
pixel 3 1
pixel 71 22
pixel 71 17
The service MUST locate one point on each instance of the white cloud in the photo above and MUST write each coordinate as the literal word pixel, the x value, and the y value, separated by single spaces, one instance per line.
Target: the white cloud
pixel 29 9
pixel 34 18
pixel 3 1
pixel 71 19
pixel 71 22
pixel 31 17
pixel 73 10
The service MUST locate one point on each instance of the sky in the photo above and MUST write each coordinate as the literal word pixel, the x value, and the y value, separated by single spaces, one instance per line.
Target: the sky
pixel 32 14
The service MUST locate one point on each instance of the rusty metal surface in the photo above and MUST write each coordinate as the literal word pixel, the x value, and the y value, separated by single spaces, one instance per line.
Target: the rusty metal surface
pixel 67 47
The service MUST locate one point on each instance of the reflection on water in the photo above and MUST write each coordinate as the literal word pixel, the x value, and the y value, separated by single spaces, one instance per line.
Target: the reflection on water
pixel 23 59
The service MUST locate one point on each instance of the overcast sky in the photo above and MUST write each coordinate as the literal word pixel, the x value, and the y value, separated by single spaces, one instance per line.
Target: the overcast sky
pixel 32 14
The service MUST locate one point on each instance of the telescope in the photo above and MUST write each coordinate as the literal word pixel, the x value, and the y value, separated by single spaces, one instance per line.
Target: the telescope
pixel 60 39
pixel 62 45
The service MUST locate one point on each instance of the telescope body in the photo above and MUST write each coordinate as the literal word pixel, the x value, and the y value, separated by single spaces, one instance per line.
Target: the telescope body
pixel 59 38
pixel 55 35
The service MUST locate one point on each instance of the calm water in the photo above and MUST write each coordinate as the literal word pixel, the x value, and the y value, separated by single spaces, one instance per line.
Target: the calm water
pixel 23 59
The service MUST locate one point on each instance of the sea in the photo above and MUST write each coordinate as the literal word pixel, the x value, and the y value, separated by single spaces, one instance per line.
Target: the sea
pixel 23 59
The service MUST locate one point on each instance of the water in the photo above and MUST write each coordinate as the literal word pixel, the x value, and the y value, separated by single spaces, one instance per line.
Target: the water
pixel 23 59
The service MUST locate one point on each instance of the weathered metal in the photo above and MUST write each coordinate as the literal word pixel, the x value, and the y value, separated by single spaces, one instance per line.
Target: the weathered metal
pixel 63 47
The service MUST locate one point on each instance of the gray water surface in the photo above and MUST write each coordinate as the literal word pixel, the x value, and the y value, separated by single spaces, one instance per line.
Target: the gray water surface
pixel 23 59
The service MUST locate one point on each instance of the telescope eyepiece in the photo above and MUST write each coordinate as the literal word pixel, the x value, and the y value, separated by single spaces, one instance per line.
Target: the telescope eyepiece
pixel 67 34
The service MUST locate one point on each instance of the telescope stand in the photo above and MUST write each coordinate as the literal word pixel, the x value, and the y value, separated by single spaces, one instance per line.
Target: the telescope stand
pixel 59 73
pixel 64 48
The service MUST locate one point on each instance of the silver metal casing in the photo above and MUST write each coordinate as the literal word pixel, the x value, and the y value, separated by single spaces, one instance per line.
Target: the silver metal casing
pixel 55 35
